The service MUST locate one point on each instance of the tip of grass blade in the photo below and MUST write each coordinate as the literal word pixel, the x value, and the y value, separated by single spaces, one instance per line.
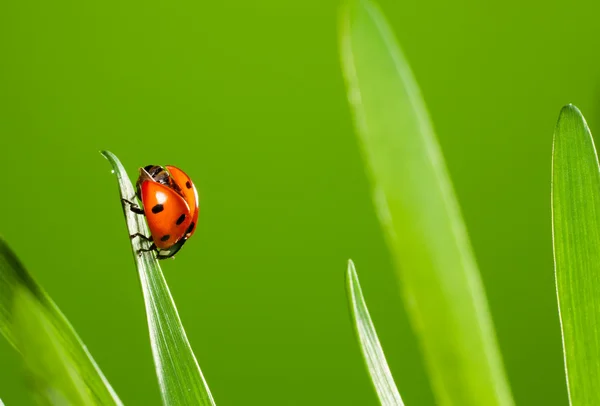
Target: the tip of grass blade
pixel 570 107
pixel 570 112
pixel 569 126
pixel 351 276
pixel 569 115
pixel 107 154
pixel 373 355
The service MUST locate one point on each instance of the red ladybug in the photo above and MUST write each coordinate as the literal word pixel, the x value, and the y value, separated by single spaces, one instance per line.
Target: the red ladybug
pixel 170 204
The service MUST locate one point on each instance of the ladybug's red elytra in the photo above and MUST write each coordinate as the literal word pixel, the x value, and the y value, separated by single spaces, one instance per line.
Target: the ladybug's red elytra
pixel 170 204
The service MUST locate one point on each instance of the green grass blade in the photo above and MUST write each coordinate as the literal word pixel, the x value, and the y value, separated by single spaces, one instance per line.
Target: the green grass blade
pixel 179 375
pixel 420 216
pixel 61 369
pixel 576 231
pixel 369 342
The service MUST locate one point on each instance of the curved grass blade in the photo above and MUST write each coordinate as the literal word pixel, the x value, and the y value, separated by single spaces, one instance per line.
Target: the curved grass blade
pixel 420 216
pixel 60 368
pixel 369 342
pixel 179 375
pixel 576 236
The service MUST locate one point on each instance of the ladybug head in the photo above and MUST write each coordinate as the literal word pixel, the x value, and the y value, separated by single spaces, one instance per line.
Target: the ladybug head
pixel 155 173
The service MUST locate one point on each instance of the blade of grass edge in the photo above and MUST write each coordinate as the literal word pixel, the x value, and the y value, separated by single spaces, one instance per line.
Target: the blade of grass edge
pixel 59 364
pixel 179 376
pixel 576 240
pixel 419 214
pixel 369 342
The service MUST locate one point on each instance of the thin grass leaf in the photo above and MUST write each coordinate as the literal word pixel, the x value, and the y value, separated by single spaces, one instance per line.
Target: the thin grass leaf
pixel 369 342
pixel 418 211
pixel 61 370
pixel 576 236
pixel 179 376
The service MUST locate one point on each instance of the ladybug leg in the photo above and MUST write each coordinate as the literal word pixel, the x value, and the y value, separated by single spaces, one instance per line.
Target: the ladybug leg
pixel 132 236
pixel 149 239
pixel 132 206
pixel 151 248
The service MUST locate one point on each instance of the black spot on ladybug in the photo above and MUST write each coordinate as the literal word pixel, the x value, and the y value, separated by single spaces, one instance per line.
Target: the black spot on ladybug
pixel 188 184
pixel 165 237
pixel 157 209
pixel 180 219
pixel 190 228
pixel 148 167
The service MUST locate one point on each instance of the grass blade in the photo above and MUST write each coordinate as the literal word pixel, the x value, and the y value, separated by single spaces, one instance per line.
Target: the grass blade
pixel 179 376
pixel 61 369
pixel 576 231
pixel 369 342
pixel 420 216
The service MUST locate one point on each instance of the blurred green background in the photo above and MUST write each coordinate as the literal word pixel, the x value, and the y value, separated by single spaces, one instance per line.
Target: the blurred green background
pixel 248 98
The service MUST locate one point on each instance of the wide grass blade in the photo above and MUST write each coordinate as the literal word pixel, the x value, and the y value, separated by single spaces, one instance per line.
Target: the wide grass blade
pixel 179 376
pixel 60 367
pixel 576 230
pixel 420 215
pixel 369 342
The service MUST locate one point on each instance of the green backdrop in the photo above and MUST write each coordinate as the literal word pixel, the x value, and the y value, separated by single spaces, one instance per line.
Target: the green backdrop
pixel 248 98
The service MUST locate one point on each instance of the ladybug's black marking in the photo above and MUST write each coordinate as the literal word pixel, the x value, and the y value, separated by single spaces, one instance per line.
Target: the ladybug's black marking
pixel 148 167
pixel 188 184
pixel 157 209
pixel 190 228
pixel 180 220
pixel 165 237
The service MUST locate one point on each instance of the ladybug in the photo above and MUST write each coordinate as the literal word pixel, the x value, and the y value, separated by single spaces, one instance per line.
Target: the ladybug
pixel 170 204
